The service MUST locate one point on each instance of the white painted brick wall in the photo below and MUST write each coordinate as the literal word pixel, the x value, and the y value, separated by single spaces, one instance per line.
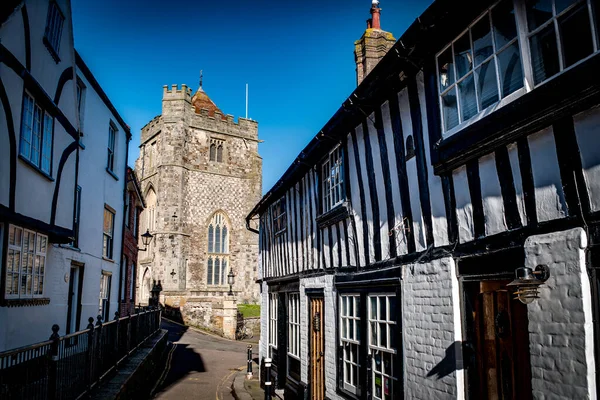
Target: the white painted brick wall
pixel 429 329
pixel 329 293
pixel 560 321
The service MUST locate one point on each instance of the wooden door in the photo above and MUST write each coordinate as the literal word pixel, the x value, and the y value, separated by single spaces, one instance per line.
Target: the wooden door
pixel 501 344
pixel 317 349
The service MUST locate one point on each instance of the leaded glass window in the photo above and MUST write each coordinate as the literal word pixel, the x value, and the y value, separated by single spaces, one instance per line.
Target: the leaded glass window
pixel 218 250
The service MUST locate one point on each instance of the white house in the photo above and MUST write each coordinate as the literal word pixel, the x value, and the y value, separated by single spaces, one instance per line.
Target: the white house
pixel 61 193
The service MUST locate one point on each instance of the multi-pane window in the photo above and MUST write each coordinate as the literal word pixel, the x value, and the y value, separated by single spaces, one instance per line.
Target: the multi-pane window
pixel 54 25
pixel 279 216
pixel 216 150
pixel 273 309
pixel 218 250
pixel 104 298
pixel 109 229
pixel 25 263
pixel 382 344
pixel 293 348
pixel 112 136
pixel 481 67
pixel 332 176
pixel 36 134
pixel 560 33
pixel 350 341
pixel 76 217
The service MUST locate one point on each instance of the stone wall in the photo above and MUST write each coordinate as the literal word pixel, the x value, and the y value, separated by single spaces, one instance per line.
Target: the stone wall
pixel 429 329
pixel 560 321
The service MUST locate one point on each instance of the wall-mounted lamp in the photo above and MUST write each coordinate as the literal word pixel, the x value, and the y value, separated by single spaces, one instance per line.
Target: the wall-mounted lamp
pixel 146 238
pixel 527 282
pixel 230 281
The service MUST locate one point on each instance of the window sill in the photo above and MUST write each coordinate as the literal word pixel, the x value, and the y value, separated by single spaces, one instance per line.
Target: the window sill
pixel 36 168
pixel 51 50
pixel 69 247
pixel 41 301
pixel 108 259
pixel 336 214
pixel 346 394
pixel 112 174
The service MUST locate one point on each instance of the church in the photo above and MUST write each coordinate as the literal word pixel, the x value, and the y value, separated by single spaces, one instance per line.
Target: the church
pixel 200 174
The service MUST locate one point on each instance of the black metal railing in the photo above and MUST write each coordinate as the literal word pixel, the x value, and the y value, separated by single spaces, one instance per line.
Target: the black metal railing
pixel 70 366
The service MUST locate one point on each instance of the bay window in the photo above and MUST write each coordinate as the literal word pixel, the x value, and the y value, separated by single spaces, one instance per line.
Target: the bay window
pixel 25 263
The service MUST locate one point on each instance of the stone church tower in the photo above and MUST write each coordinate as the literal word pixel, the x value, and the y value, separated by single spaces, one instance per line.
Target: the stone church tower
pixel 200 173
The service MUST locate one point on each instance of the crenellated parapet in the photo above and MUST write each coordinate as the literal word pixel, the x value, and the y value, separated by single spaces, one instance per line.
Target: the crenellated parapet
pixel 177 93
pixel 225 124
pixel 151 128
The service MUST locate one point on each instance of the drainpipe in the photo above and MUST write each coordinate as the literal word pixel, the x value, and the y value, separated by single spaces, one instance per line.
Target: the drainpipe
pixel 125 181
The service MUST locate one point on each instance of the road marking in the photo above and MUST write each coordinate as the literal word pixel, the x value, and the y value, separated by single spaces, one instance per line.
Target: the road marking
pixel 236 370
pixel 166 371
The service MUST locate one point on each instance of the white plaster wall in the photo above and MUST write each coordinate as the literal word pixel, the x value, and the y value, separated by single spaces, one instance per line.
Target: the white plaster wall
pixel 513 156
pixel 493 205
pixel 429 329
pixel 587 130
pixel 356 206
pixel 360 140
pixel 436 194
pixel 549 196
pixel 382 224
pixel 464 207
pixel 400 228
pixel 263 342
pixel 329 293
pixel 560 321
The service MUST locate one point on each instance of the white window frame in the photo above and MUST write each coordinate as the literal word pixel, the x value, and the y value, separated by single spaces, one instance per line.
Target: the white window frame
pixel 332 175
pixel 273 328
pixel 54 26
pixel 523 36
pixel 280 216
pixel 350 340
pixel 387 321
pixel 37 136
pixel 217 250
pixel 104 296
pixel 112 144
pixel 28 253
pixel 108 237
pixel 293 348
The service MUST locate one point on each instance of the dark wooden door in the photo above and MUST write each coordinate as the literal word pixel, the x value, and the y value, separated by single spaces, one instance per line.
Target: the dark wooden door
pixel 317 349
pixel 501 344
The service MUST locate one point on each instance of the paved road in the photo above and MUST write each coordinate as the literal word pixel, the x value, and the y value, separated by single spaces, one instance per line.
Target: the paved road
pixel 200 366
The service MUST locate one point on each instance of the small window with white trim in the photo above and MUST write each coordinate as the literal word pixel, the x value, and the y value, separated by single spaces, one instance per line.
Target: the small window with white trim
pixel 350 341
pixel 36 135
pixel 382 344
pixel 273 309
pixel 333 180
pixel 279 216
pixel 293 348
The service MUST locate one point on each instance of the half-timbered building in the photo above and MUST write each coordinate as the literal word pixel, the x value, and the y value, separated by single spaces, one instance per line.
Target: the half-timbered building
pixel 470 152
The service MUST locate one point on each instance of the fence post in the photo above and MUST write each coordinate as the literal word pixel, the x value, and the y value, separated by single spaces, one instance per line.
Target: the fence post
pixel 268 382
pixel 89 355
pixel 128 332
pixel 116 349
pixel 53 370
pixel 98 347
pixel 249 372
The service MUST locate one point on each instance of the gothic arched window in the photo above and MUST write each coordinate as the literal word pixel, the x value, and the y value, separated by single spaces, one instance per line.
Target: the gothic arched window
pixel 218 250
pixel 220 153
pixel 213 152
pixel 216 150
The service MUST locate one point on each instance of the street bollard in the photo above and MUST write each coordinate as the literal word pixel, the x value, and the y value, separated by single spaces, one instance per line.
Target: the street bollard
pixel 249 372
pixel 268 379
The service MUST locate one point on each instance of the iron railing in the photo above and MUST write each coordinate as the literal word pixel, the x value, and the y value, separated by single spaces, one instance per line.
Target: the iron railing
pixel 68 367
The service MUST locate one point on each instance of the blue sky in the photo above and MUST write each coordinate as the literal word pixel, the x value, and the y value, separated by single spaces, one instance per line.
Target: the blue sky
pixel 296 56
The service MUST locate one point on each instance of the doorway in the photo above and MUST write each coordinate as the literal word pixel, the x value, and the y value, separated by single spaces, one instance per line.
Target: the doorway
pixel 317 348
pixel 498 342
pixel 74 301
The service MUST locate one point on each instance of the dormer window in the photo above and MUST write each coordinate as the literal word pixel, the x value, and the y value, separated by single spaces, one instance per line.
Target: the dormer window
pixel 481 67
pixel 216 150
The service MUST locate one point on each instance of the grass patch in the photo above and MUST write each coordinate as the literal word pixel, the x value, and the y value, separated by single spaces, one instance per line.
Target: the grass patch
pixel 249 310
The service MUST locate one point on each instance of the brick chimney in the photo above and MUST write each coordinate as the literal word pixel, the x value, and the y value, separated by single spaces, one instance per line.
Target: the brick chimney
pixel 373 44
